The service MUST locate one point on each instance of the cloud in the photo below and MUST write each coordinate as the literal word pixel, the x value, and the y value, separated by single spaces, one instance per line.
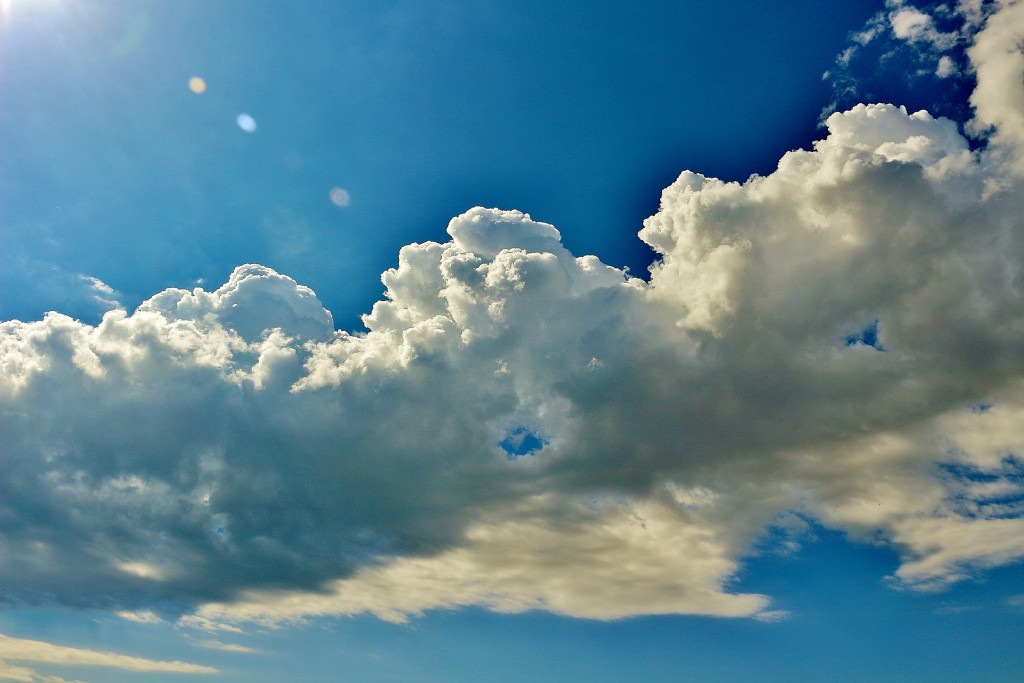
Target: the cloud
pixel 141 616
pixel 840 340
pixel 641 558
pixel 21 650
pixel 226 647
pixel 999 62
pixel 914 26
pixel 946 67
pixel 918 47
pixel 47 283
pixel 27 675
pixel 103 294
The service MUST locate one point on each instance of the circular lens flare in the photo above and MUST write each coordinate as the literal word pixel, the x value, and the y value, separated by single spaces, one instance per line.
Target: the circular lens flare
pixel 339 196
pixel 246 123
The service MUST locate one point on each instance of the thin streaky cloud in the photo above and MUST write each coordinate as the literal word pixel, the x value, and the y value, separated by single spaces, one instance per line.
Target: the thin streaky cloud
pixel 23 650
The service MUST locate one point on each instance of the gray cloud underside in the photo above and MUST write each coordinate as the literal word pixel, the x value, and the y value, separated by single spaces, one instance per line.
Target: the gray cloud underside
pixel 842 339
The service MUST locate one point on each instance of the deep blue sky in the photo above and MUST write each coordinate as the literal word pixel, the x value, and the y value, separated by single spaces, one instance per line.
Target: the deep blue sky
pixel 577 113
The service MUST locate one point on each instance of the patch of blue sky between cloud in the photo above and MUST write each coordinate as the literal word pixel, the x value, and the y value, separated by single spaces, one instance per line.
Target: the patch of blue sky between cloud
pixel 520 440
pixel 996 493
pixel 914 52
pixel 867 337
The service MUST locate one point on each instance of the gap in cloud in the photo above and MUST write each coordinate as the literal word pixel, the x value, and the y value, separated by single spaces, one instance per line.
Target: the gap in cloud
pixel 866 337
pixel 520 441
pixel 994 493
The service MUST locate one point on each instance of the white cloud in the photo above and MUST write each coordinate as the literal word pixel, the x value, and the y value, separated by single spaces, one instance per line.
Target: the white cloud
pixel 913 25
pixel 226 647
pixel 103 294
pixel 946 67
pixel 998 99
pixel 22 650
pixel 974 12
pixel 650 558
pixel 810 342
pixel 141 616
pixel 904 43
pixel 27 675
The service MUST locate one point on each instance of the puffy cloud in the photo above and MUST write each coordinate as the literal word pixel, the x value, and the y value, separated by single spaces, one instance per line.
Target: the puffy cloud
pixel 998 99
pixel 946 67
pixel 913 25
pixel 254 299
pixel 521 428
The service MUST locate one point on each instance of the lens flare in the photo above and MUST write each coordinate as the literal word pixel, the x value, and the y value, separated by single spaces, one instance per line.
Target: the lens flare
pixel 246 123
pixel 339 196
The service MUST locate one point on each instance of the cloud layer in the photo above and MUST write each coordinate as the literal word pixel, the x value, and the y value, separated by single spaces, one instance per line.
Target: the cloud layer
pixel 521 428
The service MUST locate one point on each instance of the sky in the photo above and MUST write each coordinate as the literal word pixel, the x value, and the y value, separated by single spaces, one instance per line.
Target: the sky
pixel 442 341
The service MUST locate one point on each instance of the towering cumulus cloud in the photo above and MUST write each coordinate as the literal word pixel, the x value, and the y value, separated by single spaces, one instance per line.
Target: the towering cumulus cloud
pixel 521 428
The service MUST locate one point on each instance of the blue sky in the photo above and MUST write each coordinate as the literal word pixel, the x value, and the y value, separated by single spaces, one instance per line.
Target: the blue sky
pixel 418 110
pixel 773 437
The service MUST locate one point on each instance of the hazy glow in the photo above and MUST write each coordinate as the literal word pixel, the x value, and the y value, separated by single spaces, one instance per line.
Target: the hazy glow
pixel 197 85
pixel 7 7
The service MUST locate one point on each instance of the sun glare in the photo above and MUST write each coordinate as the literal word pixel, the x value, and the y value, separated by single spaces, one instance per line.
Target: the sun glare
pixel 10 8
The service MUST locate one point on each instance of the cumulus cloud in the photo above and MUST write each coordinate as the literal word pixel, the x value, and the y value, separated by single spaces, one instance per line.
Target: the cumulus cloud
pixel 841 340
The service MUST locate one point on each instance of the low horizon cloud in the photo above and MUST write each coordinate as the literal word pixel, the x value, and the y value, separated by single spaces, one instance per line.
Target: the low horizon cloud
pixel 840 342
pixel 39 652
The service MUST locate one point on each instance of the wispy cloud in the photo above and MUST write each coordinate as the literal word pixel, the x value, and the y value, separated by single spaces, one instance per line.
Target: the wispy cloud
pixel 22 650
pixel 225 647
pixel 141 616
pixel 1016 602
pixel 102 293
pixel 28 675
